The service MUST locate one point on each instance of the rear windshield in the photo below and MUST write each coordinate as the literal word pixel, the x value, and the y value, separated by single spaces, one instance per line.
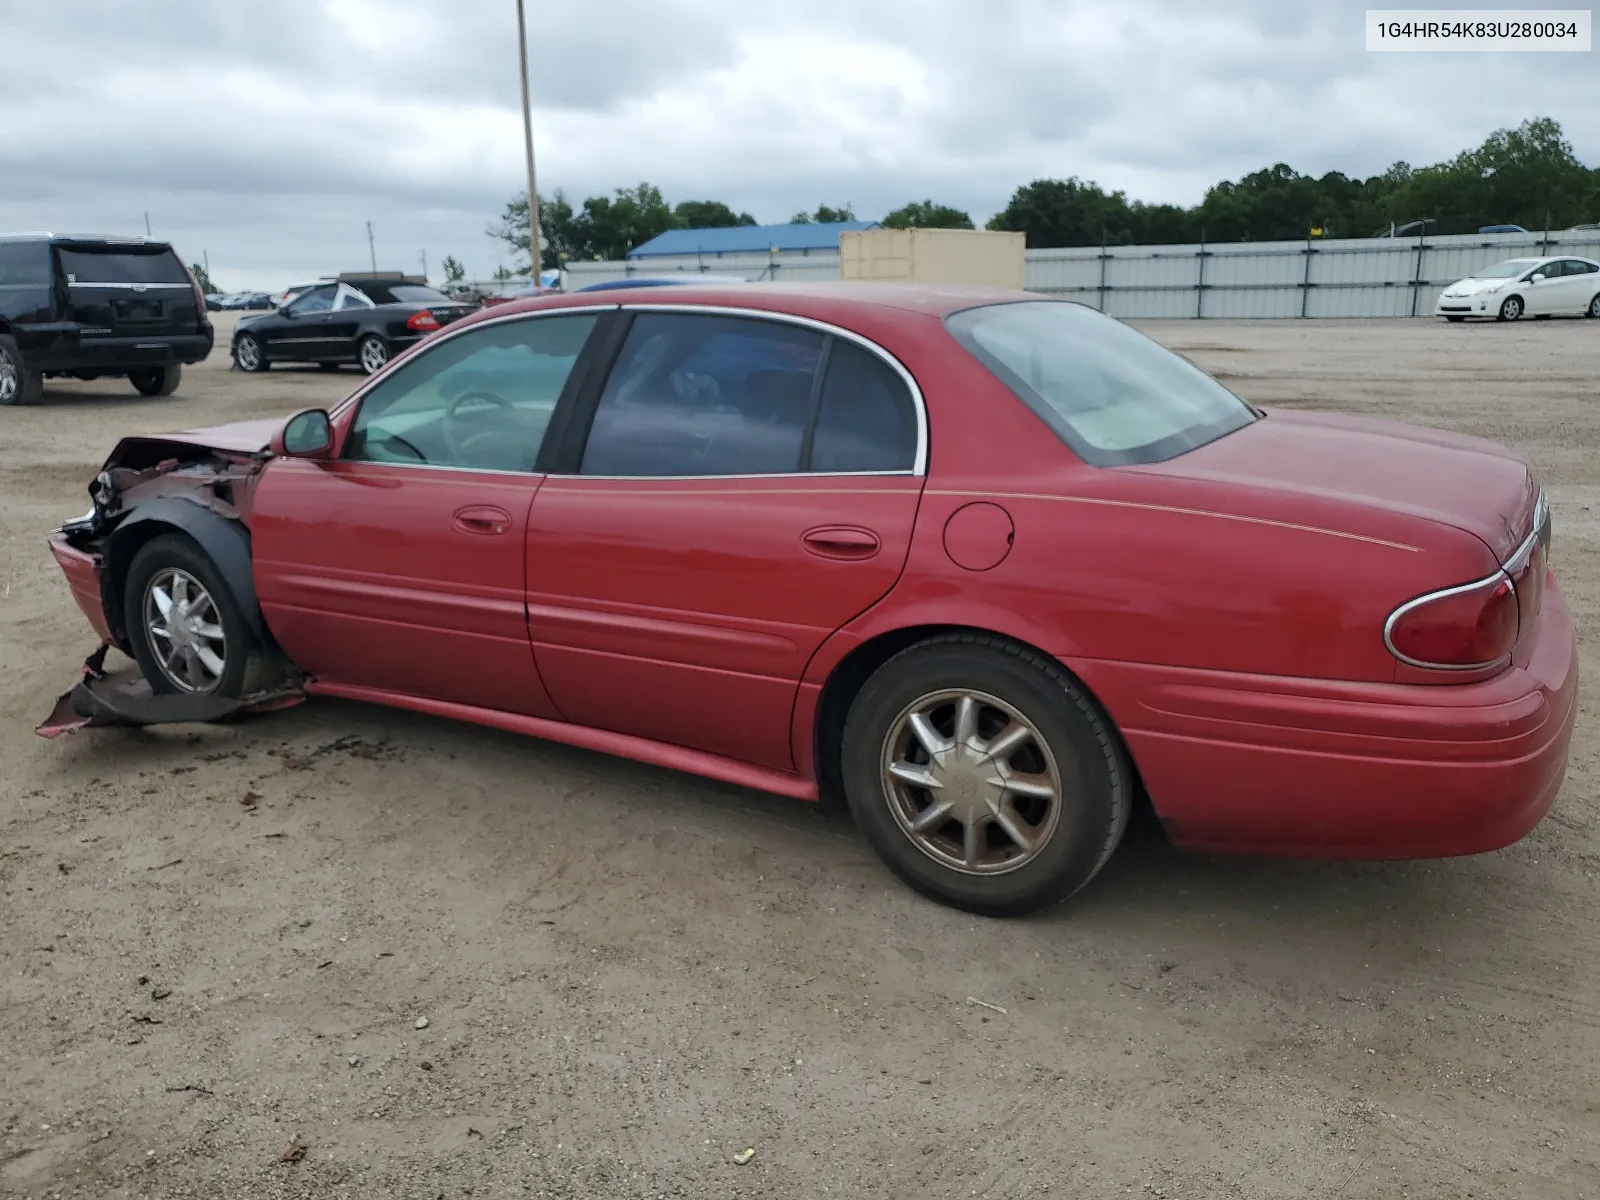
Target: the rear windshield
pixel 402 293
pixel 1110 393
pixel 24 264
pixel 121 266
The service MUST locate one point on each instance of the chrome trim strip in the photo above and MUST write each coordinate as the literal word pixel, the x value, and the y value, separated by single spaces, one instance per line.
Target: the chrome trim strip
pixel 456 329
pixel 919 462
pixel 1498 577
pixel 142 287
pixel 1519 557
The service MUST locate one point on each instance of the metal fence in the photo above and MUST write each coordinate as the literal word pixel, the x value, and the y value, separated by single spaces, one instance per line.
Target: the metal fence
pixel 1355 277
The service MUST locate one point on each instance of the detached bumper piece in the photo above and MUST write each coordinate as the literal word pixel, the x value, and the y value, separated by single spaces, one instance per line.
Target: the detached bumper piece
pixel 125 698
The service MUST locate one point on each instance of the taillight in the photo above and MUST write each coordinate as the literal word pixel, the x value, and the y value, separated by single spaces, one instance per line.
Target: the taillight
pixel 199 296
pixel 422 322
pixel 1457 629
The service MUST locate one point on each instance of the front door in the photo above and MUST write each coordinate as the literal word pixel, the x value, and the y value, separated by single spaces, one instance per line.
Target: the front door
pixel 349 307
pixel 746 487
pixel 399 566
pixel 300 332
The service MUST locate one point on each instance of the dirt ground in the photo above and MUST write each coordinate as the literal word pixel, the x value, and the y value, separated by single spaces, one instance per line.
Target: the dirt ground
pixel 217 943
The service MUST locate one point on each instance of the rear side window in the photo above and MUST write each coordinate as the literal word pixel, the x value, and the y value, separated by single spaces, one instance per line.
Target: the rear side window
pixel 865 421
pixel 24 264
pixel 121 266
pixel 695 395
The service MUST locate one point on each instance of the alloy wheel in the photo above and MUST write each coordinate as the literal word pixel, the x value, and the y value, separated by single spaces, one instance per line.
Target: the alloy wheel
pixel 185 630
pixel 1594 307
pixel 1512 308
pixel 373 355
pixel 10 377
pixel 971 782
pixel 248 352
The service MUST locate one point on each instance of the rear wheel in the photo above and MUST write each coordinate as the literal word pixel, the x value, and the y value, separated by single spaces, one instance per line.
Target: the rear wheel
pixel 1594 307
pixel 187 631
pixel 18 385
pixel 1511 309
pixel 247 352
pixel 984 776
pixel 373 353
pixel 157 381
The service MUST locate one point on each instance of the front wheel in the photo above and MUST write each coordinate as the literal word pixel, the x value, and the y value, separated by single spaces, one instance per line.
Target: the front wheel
pixel 1594 307
pixel 157 381
pixel 187 631
pixel 373 353
pixel 1512 309
pixel 984 775
pixel 247 352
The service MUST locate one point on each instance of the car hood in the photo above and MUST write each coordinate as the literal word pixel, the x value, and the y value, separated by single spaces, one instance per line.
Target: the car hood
pixel 1471 287
pixel 238 439
pixel 1364 466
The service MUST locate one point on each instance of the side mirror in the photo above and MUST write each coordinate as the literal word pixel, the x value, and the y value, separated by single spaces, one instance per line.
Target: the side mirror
pixel 286 311
pixel 1537 277
pixel 305 435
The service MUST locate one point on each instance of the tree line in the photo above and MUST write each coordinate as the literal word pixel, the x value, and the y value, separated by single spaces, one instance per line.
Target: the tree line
pixel 1526 176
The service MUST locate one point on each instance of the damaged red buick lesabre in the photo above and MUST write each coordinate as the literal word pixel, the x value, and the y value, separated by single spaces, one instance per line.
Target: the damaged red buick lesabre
pixel 993 567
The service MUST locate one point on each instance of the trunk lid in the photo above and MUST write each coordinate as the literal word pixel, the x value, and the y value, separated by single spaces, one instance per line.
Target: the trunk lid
pixel 128 289
pixel 1451 479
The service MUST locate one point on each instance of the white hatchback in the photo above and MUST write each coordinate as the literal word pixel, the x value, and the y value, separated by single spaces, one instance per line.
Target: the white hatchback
pixel 1540 287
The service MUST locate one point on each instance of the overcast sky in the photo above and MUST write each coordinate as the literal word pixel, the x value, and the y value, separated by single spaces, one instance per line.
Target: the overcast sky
pixel 267 134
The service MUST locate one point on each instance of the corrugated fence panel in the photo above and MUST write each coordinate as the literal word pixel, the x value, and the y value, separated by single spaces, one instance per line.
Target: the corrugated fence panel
pixel 1353 277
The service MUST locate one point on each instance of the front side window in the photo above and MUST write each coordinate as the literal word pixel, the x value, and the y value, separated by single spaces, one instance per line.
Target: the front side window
pixel 695 394
pixel 350 298
pixel 479 400
pixel 1113 395
pixel 315 301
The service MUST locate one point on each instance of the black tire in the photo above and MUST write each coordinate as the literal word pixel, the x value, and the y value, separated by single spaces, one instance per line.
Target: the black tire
pixel 242 650
pixel 372 354
pixel 1095 777
pixel 157 381
pixel 1511 309
pixel 1594 307
pixel 249 354
pixel 18 384
pixel 1455 320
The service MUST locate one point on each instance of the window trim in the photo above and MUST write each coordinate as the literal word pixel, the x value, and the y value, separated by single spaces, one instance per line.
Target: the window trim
pixel 363 302
pixel 919 461
pixel 352 403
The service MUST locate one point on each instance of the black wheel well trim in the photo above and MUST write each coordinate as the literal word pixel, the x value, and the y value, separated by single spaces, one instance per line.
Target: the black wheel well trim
pixel 851 673
pixel 225 542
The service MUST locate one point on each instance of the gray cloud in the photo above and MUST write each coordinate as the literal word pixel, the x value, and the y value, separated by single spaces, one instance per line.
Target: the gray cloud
pixel 268 134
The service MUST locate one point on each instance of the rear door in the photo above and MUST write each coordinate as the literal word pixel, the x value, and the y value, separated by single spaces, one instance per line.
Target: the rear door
pixel 1576 285
pixel 738 489
pixel 127 290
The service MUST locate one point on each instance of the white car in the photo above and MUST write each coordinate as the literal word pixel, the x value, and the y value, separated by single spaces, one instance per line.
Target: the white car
pixel 294 289
pixel 1540 287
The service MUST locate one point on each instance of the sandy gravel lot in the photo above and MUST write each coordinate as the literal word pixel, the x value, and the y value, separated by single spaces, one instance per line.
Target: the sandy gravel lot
pixel 217 942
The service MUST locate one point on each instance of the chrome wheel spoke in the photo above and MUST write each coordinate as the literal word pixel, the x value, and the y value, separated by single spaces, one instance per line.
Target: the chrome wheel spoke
pixel 1038 786
pixel 1015 828
pixel 931 740
pixel 930 818
pixel 209 629
pixel 966 720
pixel 916 774
pixel 209 659
pixel 972 842
pixel 1008 741
pixel 185 632
pixel 163 602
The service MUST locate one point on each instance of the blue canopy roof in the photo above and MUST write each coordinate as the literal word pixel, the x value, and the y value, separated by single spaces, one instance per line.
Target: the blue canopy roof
pixel 748 239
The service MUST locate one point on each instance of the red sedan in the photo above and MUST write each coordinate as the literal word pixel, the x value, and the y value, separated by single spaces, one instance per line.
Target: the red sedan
pixel 995 568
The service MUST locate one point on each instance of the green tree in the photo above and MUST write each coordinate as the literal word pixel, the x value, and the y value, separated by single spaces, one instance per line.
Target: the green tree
pixel 708 214
pixel 823 216
pixel 1066 212
pixel 556 227
pixel 502 273
pixel 925 214
pixel 609 227
pixel 454 272
pixel 202 278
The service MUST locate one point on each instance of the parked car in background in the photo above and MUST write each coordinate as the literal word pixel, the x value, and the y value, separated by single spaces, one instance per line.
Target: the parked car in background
pixel 88 307
pixel 215 301
pixel 296 289
pixel 1410 229
pixel 1501 229
pixel 359 318
pixel 1518 287
pixel 644 281
pixel 995 567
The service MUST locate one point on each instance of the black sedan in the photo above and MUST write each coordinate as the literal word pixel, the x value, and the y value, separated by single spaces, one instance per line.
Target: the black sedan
pixel 364 320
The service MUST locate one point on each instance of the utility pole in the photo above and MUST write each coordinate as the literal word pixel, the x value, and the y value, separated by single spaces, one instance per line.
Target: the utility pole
pixel 205 257
pixel 147 224
pixel 527 140
pixel 372 248
pixel 424 266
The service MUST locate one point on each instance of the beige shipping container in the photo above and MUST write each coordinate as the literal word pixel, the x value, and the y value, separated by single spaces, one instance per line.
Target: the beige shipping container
pixel 975 256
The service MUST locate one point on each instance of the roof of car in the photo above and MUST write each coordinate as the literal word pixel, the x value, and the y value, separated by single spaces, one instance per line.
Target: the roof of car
pixel 819 300
pixel 92 239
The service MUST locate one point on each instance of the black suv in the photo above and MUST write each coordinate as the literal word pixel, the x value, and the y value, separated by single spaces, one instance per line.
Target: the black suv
pixel 92 306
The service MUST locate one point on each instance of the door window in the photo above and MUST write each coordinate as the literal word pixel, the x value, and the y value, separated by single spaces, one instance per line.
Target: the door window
pixel 315 301
pixel 693 394
pixel 1576 266
pixel 480 400
pixel 866 420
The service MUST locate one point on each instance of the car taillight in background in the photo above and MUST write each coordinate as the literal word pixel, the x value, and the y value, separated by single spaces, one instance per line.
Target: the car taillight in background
pixel 422 322
pixel 1458 629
